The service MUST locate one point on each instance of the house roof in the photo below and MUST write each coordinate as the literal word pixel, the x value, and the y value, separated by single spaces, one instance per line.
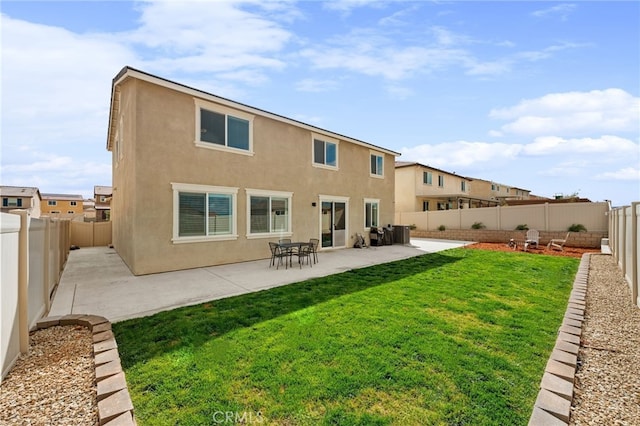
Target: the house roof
pixel 72 197
pixel 19 191
pixel 102 190
pixel 400 164
pixel 129 72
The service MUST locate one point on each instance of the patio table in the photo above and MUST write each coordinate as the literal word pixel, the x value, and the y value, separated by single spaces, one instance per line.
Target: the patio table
pixel 289 247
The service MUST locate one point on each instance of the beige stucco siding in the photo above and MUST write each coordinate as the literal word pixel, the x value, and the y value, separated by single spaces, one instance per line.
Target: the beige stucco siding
pixel 159 149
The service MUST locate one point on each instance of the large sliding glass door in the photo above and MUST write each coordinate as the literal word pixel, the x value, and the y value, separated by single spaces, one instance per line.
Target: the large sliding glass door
pixel 334 223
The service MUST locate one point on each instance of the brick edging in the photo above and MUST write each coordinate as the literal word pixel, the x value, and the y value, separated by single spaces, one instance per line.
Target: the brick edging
pixel 114 403
pixel 553 405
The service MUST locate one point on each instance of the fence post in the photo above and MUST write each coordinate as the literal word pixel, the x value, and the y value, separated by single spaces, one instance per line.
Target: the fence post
pixel 634 252
pixel 23 280
pixel 499 217
pixel 47 268
pixel 546 217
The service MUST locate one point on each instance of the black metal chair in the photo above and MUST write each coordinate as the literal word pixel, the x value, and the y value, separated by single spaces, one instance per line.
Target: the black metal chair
pixel 315 243
pixel 304 252
pixel 278 253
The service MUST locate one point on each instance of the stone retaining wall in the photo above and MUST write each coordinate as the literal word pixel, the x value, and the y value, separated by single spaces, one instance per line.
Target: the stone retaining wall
pixel 576 239
pixel 114 403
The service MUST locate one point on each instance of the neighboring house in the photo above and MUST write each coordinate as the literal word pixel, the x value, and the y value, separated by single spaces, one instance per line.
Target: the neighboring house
pixel 489 190
pixel 102 197
pixel 63 206
pixel 425 188
pixel 18 197
pixel 200 180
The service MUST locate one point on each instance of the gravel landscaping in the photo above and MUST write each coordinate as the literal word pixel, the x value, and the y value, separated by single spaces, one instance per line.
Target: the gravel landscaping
pixel 54 384
pixel 607 387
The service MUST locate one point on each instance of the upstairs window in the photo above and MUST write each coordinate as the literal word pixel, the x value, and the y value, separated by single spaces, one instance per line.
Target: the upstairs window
pixel 52 203
pixel 222 128
pixel 325 153
pixel 73 203
pixel 377 165
pixel 463 186
pixel 11 202
pixel 427 178
pixel 441 181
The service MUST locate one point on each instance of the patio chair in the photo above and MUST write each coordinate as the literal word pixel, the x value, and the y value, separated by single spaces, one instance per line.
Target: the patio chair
pixel 304 253
pixel 558 243
pixel 277 253
pixel 532 239
pixel 314 248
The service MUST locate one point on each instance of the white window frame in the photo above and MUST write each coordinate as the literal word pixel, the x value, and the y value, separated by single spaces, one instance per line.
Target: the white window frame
pixel 326 140
pixel 270 194
pixel 463 186
pixel 429 178
pixel 440 181
pixel 52 202
pixel 378 173
pixel 177 188
pixel 219 109
pixel 371 201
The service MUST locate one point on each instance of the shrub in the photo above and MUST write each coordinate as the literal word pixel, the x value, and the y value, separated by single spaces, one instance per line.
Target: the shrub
pixel 478 225
pixel 522 227
pixel 412 226
pixel 441 228
pixel 577 227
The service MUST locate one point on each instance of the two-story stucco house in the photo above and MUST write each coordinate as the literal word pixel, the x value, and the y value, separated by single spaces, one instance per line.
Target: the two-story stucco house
pixel 63 206
pixel 19 197
pixel 425 188
pixel 490 190
pixel 102 196
pixel 200 180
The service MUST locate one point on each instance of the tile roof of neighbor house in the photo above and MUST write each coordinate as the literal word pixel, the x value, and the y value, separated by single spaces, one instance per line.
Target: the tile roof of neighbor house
pixel 72 197
pixel 414 163
pixel 103 190
pixel 128 71
pixel 19 191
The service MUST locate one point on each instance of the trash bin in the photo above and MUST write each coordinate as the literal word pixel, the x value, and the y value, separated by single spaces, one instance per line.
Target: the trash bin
pixel 401 234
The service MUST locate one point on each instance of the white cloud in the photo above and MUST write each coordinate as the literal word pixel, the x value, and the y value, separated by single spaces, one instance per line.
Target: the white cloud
pixel 571 113
pixel 612 146
pixel 209 37
pixel 627 173
pixel 461 154
pixel 562 10
pixel 556 156
pixel 314 85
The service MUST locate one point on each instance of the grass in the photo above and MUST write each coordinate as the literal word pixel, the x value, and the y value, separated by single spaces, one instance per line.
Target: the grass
pixel 456 337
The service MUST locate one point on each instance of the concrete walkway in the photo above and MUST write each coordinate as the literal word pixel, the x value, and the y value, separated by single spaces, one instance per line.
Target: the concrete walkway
pixel 96 281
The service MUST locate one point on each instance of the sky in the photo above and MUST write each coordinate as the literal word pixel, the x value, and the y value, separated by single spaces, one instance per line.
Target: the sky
pixel 540 95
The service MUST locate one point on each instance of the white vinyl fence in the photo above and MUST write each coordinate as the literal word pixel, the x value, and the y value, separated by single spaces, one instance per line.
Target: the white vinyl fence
pixel 33 253
pixel 624 235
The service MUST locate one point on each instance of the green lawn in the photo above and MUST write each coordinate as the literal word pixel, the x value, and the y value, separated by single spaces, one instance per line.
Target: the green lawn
pixel 456 337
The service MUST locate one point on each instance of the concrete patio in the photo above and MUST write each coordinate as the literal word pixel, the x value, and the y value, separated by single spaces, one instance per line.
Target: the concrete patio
pixel 96 280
